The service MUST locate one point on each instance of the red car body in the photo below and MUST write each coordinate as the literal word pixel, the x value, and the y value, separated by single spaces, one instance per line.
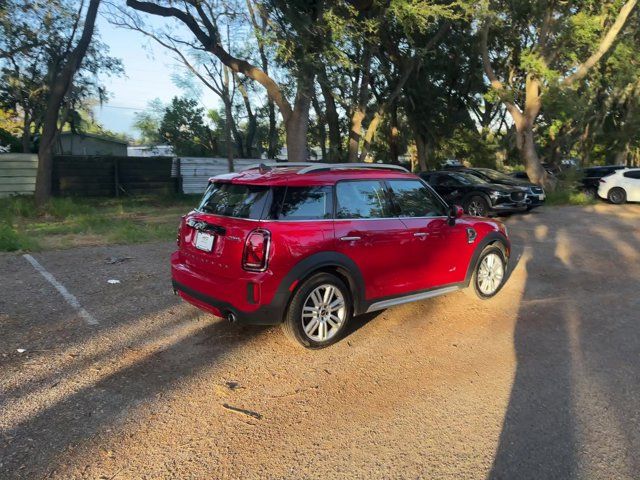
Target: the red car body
pixel 384 261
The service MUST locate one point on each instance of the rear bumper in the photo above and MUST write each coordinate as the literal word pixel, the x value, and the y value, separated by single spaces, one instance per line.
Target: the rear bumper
pixel 240 297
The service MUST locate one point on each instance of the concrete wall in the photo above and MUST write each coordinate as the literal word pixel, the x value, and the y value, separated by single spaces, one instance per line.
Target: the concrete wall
pixel 18 173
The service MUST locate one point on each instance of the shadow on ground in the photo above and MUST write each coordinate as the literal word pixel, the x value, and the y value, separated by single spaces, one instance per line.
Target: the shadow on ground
pixel 573 410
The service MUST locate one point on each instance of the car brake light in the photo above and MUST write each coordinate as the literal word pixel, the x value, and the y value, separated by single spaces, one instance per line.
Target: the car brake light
pixel 602 180
pixel 256 251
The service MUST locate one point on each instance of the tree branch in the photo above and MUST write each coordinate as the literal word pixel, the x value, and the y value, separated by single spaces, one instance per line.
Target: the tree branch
pixel 604 46
pixel 497 85
pixel 213 45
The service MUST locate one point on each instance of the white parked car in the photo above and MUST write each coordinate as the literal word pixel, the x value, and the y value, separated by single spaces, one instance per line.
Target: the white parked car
pixel 621 186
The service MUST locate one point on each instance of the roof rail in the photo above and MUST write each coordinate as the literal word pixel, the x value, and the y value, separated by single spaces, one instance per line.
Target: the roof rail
pixel 280 165
pixel 339 166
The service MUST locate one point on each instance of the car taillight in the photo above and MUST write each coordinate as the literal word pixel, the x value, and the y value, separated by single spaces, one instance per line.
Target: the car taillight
pixel 256 251
pixel 602 180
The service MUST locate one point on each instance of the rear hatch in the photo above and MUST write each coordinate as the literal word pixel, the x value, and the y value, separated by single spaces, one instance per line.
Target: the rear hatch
pixel 212 238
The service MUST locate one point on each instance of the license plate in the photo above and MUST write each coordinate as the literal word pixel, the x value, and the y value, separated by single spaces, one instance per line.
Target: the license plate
pixel 204 241
pixel 542 197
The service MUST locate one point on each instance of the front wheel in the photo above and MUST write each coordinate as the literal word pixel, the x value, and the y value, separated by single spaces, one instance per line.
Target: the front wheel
pixel 477 206
pixel 490 272
pixel 319 312
pixel 617 195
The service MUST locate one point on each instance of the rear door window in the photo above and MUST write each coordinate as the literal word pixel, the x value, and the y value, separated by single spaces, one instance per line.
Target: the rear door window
pixel 235 200
pixel 302 203
pixel 415 199
pixel 362 199
pixel 632 174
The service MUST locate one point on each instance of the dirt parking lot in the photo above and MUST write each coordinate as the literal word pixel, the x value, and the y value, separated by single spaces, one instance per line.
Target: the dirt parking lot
pixel 542 381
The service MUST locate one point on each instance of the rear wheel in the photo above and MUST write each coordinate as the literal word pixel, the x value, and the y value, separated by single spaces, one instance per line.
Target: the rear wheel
pixel 490 272
pixel 617 195
pixel 477 206
pixel 319 312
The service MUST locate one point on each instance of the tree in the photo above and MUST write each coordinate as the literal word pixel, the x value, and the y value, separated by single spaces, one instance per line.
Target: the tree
pixel 50 29
pixel 61 75
pixel 183 127
pixel 297 27
pixel 148 122
pixel 540 44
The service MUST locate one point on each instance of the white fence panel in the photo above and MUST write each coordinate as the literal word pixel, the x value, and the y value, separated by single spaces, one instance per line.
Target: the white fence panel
pixel 18 173
pixel 196 171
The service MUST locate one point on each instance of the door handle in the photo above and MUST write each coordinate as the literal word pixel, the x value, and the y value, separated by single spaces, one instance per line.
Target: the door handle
pixel 349 239
pixel 421 234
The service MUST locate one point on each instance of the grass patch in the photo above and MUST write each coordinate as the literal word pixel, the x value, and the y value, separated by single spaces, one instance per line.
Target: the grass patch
pixel 68 222
pixel 569 197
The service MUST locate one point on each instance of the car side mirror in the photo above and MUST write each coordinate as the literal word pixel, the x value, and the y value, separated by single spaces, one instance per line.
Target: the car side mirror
pixel 455 212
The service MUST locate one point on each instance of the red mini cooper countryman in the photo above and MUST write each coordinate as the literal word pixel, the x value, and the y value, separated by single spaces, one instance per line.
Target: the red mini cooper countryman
pixel 311 245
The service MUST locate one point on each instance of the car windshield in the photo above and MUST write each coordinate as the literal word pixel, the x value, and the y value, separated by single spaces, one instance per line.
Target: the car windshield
pixel 467 179
pixel 494 175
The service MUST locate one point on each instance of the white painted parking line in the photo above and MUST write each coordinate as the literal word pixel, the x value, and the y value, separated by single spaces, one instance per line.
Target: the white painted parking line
pixel 71 300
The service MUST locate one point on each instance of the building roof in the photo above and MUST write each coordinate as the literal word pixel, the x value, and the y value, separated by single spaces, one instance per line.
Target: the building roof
pixel 93 135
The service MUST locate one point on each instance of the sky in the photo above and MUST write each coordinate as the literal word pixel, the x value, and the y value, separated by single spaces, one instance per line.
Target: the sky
pixel 148 68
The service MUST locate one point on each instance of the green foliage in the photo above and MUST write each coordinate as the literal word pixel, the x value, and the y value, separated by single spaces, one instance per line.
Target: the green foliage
pixel 183 127
pixel 35 38
pixel 148 122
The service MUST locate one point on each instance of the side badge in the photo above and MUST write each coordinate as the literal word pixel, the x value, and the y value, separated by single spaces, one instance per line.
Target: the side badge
pixel 471 235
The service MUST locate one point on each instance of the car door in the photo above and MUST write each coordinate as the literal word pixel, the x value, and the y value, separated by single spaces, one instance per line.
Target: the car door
pixel 439 251
pixel 447 187
pixel 631 185
pixel 369 234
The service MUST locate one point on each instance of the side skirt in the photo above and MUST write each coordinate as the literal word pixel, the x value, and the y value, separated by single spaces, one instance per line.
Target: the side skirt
pixel 391 302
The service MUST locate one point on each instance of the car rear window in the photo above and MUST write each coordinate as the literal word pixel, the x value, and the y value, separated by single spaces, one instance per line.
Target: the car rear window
pixel 235 200
pixel 302 203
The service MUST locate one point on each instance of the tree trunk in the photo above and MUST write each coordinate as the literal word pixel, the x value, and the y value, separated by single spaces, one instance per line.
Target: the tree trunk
pixel 359 111
pixel 322 131
pixel 526 145
pixel 228 120
pixel 297 125
pixel 60 85
pixel 252 124
pixel 333 120
pixel 26 134
pixel 394 133
pixel 422 150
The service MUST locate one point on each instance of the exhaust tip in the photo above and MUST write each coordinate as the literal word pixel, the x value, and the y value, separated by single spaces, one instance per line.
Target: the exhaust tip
pixel 231 317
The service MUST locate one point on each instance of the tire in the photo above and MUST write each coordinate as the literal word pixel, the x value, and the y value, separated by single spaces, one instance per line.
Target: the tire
pixel 617 195
pixel 321 325
pixel 480 284
pixel 477 206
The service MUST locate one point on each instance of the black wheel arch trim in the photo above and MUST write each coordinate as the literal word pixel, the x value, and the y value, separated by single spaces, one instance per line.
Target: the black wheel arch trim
pixel 488 239
pixel 322 261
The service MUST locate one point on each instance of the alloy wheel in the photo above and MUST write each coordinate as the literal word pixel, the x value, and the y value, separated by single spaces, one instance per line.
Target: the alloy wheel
pixel 490 274
pixel 476 209
pixel 323 313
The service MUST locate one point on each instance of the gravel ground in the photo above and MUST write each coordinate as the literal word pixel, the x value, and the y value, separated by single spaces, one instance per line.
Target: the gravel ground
pixel 543 381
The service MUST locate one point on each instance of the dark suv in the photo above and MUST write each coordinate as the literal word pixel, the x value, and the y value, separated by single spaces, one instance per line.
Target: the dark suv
pixel 311 245
pixel 477 196
pixel 534 194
